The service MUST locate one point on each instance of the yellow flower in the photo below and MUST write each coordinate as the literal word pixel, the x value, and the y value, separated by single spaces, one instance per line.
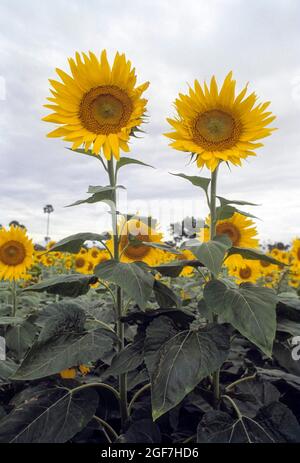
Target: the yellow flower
pixel 69 373
pixel 81 263
pixel 248 271
pixel 84 370
pixel 240 229
pixel 97 105
pixel 186 255
pixel 295 252
pixel 48 260
pixel 103 256
pixel 16 253
pixel 216 125
pixel 136 230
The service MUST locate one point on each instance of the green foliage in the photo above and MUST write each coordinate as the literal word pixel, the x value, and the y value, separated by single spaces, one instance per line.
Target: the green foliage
pixel 72 285
pixel 73 243
pixel 250 309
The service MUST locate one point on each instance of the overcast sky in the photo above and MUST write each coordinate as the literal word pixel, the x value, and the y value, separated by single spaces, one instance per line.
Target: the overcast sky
pixel 170 43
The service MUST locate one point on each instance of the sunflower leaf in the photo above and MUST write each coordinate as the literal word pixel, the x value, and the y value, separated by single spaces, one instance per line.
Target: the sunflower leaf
pixel 226 211
pixel 253 254
pixel 201 182
pixel 105 195
pixel 73 243
pixel 211 253
pixel 134 280
pixel 249 309
pixel 65 285
pixel 124 161
pixel 225 202
pixel 174 268
pixel 178 360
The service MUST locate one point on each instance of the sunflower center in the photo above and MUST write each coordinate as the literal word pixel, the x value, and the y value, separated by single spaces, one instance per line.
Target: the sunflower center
pixel 230 230
pixel 263 263
pixel 105 109
pixel 216 130
pixel 135 251
pixel 12 253
pixel 245 273
pixel 80 262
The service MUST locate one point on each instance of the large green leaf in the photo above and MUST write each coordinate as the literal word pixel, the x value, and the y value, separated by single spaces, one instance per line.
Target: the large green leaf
pixel 253 254
pixel 164 296
pixel 51 416
pixel 136 282
pixel 61 317
pixel 73 243
pixel 124 161
pixel 20 337
pixel 128 359
pixel 181 361
pixel 250 309
pixel 211 253
pixel 201 182
pixel 65 285
pixel 66 351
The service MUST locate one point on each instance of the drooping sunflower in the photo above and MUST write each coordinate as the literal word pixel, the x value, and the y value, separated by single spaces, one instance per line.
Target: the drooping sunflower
pixel 216 125
pixel 16 253
pixel 133 231
pixel 97 106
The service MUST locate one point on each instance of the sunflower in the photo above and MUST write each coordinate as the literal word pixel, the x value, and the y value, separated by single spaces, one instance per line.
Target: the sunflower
pixel 216 125
pixel 81 263
pixel 247 272
pixel 48 260
pixel 97 106
pixel 295 252
pixel 241 231
pixel 16 253
pixel 103 256
pixel 186 255
pixel 133 231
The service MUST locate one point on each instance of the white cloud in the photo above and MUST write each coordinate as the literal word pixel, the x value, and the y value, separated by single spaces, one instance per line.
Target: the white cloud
pixel 170 43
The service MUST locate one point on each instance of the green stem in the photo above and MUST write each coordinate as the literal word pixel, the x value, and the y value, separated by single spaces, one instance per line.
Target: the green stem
pixel 118 304
pixel 101 385
pixel 14 298
pixel 104 424
pixel 213 225
pixel 137 395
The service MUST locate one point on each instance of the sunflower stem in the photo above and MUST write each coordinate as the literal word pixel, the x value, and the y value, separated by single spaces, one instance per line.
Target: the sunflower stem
pixel 119 302
pixel 213 226
pixel 14 298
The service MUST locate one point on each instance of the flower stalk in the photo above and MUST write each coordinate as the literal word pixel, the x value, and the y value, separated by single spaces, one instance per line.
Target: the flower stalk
pixel 213 225
pixel 118 298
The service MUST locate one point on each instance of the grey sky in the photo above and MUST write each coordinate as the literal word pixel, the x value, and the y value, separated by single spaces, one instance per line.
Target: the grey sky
pixel 170 43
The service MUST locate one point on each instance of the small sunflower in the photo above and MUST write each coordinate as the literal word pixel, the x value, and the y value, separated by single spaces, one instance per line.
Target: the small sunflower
pixel 16 253
pixel 216 125
pixel 97 106
pixel 81 262
pixel 131 232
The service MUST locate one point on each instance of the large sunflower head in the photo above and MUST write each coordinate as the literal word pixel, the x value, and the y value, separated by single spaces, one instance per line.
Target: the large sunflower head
pixel 131 233
pixel 218 125
pixel 98 105
pixel 16 253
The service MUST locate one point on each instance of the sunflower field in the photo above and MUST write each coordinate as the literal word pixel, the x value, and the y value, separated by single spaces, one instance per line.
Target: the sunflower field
pixel 124 336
